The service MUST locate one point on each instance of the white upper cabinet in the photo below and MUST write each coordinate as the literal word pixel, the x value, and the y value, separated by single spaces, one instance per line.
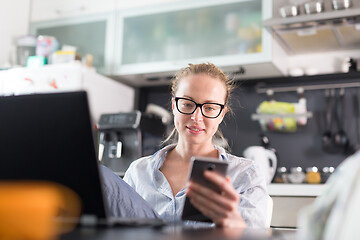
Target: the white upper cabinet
pixel 141 41
pixel 54 9
pixel 91 34
pixel 165 38
pixel 126 4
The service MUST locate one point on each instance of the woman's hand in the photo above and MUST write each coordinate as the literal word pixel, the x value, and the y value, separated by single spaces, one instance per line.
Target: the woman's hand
pixel 222 208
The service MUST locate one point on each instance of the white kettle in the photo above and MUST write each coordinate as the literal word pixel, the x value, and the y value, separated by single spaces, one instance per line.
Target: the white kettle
pixel 265 158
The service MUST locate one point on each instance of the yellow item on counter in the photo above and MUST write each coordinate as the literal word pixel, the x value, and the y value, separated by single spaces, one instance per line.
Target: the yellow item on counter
pixel 313 177
pixel 286 124
pixel 36 210
pixel 63 57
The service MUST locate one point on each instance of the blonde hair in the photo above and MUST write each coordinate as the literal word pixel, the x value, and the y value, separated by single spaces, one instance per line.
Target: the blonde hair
pixel 212 71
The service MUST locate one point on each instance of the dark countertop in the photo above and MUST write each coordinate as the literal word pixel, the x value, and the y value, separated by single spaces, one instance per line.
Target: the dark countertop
pixel 178 233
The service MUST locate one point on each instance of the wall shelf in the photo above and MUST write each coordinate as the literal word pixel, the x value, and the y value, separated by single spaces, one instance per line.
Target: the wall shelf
pixel 258 116
pixel 309 87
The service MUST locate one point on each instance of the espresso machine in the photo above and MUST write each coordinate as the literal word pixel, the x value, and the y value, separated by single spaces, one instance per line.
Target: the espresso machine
pixel 124 137
pixel 119 140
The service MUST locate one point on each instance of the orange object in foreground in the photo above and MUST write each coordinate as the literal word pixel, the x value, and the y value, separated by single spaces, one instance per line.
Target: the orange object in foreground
pixel 36 210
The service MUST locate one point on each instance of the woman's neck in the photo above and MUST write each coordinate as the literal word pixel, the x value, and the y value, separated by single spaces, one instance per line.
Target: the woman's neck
pixel 184 151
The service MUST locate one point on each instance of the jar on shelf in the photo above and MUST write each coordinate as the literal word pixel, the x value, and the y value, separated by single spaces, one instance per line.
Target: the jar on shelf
pixel 313 175
pixel 281 175
pixel 296 175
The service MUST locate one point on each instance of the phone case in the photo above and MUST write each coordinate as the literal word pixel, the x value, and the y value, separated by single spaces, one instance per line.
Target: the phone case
pixel 199 165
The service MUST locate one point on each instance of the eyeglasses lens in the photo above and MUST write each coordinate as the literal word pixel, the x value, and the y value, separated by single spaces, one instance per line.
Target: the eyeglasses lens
pixel 208 109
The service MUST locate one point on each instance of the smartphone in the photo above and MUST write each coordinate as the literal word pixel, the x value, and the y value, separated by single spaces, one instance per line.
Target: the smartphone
pixel 199 165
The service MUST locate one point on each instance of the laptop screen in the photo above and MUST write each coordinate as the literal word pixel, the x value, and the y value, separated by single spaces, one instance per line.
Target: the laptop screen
pixel 49 137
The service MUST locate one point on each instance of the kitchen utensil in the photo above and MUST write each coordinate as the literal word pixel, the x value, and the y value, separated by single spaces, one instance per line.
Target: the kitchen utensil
pixel 333 137
pixel 314 7
pixel 327 135
pixel 341 140
pixel 289 11
pixel 341 4
pixel 357 127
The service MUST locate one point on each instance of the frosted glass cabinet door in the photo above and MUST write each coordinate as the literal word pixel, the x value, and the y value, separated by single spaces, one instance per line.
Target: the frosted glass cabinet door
pixel 90 34
pixel 193 30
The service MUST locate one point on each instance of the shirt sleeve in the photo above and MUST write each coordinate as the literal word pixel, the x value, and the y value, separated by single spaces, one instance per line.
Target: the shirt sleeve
pixel 251 186
pixel 122 200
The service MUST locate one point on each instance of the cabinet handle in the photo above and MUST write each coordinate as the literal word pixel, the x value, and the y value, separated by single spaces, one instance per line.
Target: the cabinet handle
pixel 69 9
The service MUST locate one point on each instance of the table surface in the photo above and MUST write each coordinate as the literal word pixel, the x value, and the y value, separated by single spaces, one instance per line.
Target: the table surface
pixel 176 233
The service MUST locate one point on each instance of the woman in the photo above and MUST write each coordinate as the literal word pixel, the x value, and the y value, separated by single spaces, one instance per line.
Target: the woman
pixel 200 100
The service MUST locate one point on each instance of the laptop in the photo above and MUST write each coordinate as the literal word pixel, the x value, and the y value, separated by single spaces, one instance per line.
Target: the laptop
pixel 50 137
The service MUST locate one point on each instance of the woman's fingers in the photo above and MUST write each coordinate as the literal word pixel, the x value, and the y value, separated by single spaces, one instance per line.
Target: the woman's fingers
pixel 205 198
pixel 221 206
pixel 206 201
pixel 208 196
pixel 209 210
pixel 224 185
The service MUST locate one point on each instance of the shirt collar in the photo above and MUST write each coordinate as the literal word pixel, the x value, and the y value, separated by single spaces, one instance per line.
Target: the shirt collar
pixel 161 155
pixel 222 153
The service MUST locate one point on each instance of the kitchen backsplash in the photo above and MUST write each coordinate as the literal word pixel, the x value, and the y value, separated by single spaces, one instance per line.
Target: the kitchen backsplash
pixel 300 148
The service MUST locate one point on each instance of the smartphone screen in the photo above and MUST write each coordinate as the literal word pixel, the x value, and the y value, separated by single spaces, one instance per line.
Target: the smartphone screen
pixel 199 166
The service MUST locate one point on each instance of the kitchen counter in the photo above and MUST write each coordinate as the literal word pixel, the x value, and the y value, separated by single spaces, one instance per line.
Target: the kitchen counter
pixel 289 199
pixel 281 189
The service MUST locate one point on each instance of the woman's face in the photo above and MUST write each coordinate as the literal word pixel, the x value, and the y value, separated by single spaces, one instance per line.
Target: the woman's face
pixel 201 88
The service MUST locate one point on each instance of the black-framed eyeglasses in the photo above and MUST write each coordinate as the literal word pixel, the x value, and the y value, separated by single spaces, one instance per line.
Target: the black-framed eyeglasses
pixel 188 106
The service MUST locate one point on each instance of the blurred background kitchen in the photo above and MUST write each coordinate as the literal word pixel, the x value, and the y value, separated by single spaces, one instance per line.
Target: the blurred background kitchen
pixel 296 64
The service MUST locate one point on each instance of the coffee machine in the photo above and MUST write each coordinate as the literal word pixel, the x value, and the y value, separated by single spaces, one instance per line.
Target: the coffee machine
pixel 119 140
pixel 124 137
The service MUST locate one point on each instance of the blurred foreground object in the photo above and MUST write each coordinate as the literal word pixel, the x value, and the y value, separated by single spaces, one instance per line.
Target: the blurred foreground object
pixel 335 214
pixel 36 210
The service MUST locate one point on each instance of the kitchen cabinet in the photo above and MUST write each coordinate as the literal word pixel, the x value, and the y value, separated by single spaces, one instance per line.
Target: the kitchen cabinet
pixel 289 199
pixel 126 4
pixel 92 34
pixel 145 45
pixel 158 40
pixel 52 9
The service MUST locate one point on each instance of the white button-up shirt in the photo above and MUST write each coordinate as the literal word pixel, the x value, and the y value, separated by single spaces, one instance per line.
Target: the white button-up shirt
pixel 145 177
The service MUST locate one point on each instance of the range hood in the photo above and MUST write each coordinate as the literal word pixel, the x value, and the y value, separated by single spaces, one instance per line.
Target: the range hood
pixel 326 31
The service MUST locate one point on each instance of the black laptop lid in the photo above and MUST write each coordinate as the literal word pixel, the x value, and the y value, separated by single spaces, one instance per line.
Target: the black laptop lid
pixel 49 137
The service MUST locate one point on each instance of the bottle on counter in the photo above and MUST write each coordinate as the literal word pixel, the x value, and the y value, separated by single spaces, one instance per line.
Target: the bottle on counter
pixel 313 175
